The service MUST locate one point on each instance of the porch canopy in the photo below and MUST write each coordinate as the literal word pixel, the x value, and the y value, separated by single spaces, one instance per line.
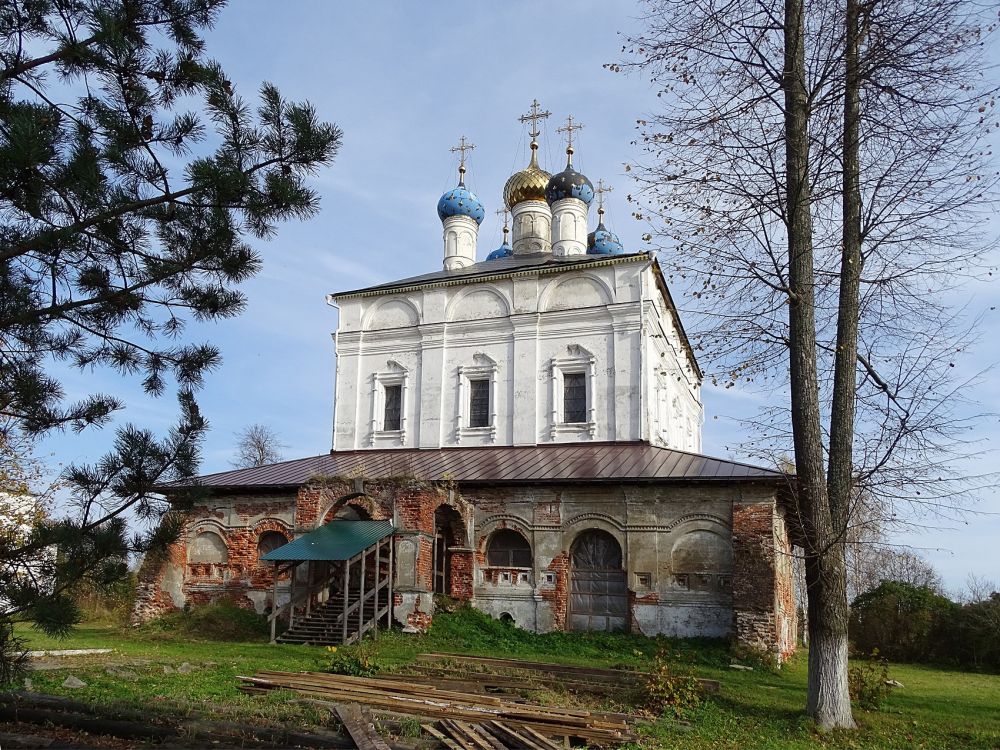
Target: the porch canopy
pixel 336 541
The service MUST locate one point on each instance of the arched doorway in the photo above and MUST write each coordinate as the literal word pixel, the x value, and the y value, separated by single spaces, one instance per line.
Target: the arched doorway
pixel 598 592
pixel 449 531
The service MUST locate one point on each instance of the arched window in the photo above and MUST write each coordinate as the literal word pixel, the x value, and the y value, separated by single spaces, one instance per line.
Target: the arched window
pixel 508 549
pixel 208 547
pixel 270 541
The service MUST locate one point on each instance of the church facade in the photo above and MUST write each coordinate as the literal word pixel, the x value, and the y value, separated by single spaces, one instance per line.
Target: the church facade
pixel 530 424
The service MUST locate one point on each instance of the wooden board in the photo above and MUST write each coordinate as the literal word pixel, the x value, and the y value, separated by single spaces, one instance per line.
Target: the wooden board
pixel 363 734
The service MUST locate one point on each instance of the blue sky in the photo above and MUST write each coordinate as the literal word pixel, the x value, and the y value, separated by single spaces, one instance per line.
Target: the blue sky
pixel 404 81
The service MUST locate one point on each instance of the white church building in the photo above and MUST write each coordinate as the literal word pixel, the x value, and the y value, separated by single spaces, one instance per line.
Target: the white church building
pixel 520 430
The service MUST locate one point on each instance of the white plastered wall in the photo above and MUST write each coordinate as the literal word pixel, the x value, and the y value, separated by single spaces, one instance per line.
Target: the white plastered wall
pixel 524 333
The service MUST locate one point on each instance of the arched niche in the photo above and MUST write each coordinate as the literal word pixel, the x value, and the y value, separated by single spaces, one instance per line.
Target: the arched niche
pixel 574 292
pixel 393 313
pixel 478 304
pixel 702 560
pixel 343 511
pixel 269 541
pixel 507 548
pixel 207 547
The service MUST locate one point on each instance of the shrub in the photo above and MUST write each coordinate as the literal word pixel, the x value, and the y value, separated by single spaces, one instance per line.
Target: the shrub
pixel 670 687
pixel 904 622
pixel 869 682
pixel 355 661
pixel 221 621
pixel 110 604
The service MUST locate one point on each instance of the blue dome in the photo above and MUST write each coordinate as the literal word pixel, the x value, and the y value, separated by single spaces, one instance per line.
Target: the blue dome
pixel 503 251
pixel 569 184
pixel 461 201
pixel 603 242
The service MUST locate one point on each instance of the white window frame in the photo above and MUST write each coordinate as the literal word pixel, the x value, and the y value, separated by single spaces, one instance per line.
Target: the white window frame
pixel 396 374
pixel 484 369
pixel 578 360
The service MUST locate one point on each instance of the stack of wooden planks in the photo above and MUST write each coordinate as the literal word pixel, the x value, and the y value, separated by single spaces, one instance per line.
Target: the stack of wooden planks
pixel 482 673
pixel 433 703
pixel 490 735
pixel 515 675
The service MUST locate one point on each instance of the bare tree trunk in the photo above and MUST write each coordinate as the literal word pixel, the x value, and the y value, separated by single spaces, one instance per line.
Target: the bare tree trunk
pixel 828 700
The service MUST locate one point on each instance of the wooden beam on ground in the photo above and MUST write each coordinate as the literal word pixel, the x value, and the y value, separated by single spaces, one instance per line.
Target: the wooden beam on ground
pixel 363 734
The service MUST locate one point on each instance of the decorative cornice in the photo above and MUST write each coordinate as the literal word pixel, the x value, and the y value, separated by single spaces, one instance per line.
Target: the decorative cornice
pixel 541 271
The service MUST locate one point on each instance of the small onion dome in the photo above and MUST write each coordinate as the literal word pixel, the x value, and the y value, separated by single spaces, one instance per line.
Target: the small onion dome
pixel 503 251
pixel 603 242
pixel 461 201
pixel 527 185
pixel 569 184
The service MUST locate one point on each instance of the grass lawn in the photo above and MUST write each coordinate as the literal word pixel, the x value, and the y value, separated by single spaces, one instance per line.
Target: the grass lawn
pixel 759 709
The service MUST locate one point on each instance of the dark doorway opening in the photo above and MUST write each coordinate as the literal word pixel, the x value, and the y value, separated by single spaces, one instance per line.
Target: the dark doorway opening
pixel 598 598
pixel 449 531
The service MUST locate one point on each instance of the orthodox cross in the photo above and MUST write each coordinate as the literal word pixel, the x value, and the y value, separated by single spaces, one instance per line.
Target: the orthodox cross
pixel 534 116
pixel 462 147
pixel 568 129
pixel 601 190
pixel 505 229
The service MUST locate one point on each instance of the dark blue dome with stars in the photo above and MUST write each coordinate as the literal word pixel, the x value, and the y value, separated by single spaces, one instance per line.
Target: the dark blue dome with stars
pixel 461 201
pixel 603 242
pixel 569 184
pixel 503 251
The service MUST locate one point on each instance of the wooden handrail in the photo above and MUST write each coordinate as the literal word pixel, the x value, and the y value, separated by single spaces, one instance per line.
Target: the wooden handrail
pixel 299 598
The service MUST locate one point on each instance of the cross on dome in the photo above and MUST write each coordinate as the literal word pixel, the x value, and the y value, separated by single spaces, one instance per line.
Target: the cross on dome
pixel 534 116
pixel 601 190
pixel 506 229
pixel 461 148
pixel 568 129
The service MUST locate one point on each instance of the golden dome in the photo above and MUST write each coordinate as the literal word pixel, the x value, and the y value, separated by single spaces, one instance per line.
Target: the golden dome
pixel 527 185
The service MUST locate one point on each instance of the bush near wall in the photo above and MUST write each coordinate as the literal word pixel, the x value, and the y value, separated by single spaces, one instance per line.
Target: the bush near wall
pixel 913 623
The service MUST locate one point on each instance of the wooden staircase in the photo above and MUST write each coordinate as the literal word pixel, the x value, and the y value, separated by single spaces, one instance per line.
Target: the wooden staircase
pixel 351 597
pixel 325 624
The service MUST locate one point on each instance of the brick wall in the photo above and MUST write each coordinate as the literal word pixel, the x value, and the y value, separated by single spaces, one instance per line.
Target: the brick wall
pixel 558 595
pixel 763 589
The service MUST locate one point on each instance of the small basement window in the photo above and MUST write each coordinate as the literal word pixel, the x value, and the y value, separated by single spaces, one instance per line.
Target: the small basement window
pixel 508 549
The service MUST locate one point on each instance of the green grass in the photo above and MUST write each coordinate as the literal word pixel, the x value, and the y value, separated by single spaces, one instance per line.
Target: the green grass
pixel 935 709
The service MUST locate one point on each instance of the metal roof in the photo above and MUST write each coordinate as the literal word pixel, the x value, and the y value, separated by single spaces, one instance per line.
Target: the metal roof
pixel 337 540
pixel 552 463
pixel 485 269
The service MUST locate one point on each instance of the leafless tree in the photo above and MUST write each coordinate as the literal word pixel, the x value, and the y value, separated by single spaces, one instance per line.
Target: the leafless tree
pixel 814 179
pixel 257 445
pixel 978 589
pixel 870 564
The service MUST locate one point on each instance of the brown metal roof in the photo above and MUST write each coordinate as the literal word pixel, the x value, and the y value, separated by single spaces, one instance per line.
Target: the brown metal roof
pixel 552 463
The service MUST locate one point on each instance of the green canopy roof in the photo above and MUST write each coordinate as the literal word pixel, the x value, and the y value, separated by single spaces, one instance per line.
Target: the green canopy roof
pixel 338 540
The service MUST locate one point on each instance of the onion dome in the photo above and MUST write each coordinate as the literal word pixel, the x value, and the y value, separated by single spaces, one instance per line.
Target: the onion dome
pixel 461 201
pixel 603 242
pixel 569 183
pixel 504 251
pixel 527 185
